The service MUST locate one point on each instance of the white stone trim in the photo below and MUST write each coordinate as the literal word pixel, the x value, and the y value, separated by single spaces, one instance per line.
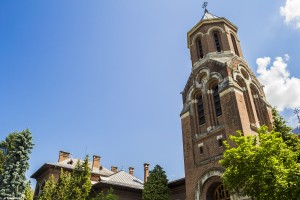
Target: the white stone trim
pixel 185 115
pixel 210 91
pixel 200 145
pixel 196 36
pixel 231 89
pixel 219 137
pixel 194 101
pixel 213 28
pixel 202 180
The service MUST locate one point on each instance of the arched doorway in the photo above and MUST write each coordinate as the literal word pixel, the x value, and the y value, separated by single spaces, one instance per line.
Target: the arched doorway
pixel 217 191
pixel 221 193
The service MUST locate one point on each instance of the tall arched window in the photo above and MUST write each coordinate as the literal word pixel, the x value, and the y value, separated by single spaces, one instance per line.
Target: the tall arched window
pixel 200 110
pixel 217 101
pixel 234 45
pixel 199 48
pixel 255 96
pixel 247 100
pixel 217 40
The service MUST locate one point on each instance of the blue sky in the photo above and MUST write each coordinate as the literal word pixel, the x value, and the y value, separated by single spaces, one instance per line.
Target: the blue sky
pixel 104 77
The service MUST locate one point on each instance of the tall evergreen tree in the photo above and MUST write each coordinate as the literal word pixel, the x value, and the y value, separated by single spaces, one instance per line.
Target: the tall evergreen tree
pixel 28 193
pixel 5 147
pixel 2 159
pixel 12 179
pixel 156 187
pixel 62 187
pixel 80 183
pixel 48 190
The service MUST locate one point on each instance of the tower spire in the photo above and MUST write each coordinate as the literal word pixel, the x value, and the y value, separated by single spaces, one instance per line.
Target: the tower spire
pixel 297 112
pixel 204 6
pixel 207 15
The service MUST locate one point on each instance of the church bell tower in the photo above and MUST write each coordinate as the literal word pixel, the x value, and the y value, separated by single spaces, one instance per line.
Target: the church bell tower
pixel 221 96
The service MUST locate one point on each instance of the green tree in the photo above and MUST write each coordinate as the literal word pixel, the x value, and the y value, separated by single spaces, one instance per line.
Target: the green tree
pixel 8 143
pixel 2 159
pixel 108 196
pixel 48 190
pixel 156 187
pixel 76 185
pixel 5 147
pixel 28 193
pixel 62 187
pixel 265 170
pixel 80 183
pixel 279 125
pixel 12 179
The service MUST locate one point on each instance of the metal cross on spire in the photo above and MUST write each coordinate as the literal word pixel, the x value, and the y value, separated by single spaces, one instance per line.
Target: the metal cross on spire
pixel 297 112
pixel 204 6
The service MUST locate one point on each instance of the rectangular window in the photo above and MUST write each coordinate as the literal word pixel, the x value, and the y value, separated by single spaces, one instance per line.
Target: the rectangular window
pixel 220 142
pixel 234 45
pixel 199 48
pixel 201 150
pixel 217 42
pixel 217 101
pixel 200 146
pixel 200 108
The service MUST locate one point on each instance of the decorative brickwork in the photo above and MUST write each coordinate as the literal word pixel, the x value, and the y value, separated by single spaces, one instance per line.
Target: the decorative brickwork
pixel 231 99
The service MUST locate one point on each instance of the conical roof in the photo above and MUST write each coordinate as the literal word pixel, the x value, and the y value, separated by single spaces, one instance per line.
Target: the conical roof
pixel 208 15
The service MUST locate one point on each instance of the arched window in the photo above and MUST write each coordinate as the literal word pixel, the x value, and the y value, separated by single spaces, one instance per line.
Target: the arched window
pixel 199 48
pixel 247 100
pixel 217 101
pixel 234 45
pixel 255 97
pixel 217 41
pixel 200 110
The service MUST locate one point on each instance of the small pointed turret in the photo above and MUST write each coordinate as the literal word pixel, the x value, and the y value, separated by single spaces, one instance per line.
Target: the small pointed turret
pixel 208 15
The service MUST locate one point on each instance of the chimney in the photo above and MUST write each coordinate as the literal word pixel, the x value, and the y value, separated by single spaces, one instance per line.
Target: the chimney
pixel 131 171
pixel 114 169
pixel 63 156
pixel 96 162
pixel 146 172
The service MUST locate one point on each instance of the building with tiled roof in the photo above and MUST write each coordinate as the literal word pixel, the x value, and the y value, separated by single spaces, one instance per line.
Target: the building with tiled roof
pixel 125 185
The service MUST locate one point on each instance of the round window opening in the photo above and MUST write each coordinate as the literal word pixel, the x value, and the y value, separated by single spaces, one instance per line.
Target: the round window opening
pixel 245 74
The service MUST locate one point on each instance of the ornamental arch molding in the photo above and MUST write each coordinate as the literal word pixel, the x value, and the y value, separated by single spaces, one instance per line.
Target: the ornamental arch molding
pixel 203 179
pixel 254 87
pixel 217 75
pixel 190 93
pixel 243 69
pixel 203 75
pixel 234 34
pixel 215 79
pixel 198 35
pixel 214 28
pixel 241 82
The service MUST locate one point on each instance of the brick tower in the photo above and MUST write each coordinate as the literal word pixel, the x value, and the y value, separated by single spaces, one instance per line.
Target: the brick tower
pixel 221 96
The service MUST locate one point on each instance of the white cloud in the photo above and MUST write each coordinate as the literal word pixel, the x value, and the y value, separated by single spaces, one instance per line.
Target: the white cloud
pixel 291 12
pixel 282 90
